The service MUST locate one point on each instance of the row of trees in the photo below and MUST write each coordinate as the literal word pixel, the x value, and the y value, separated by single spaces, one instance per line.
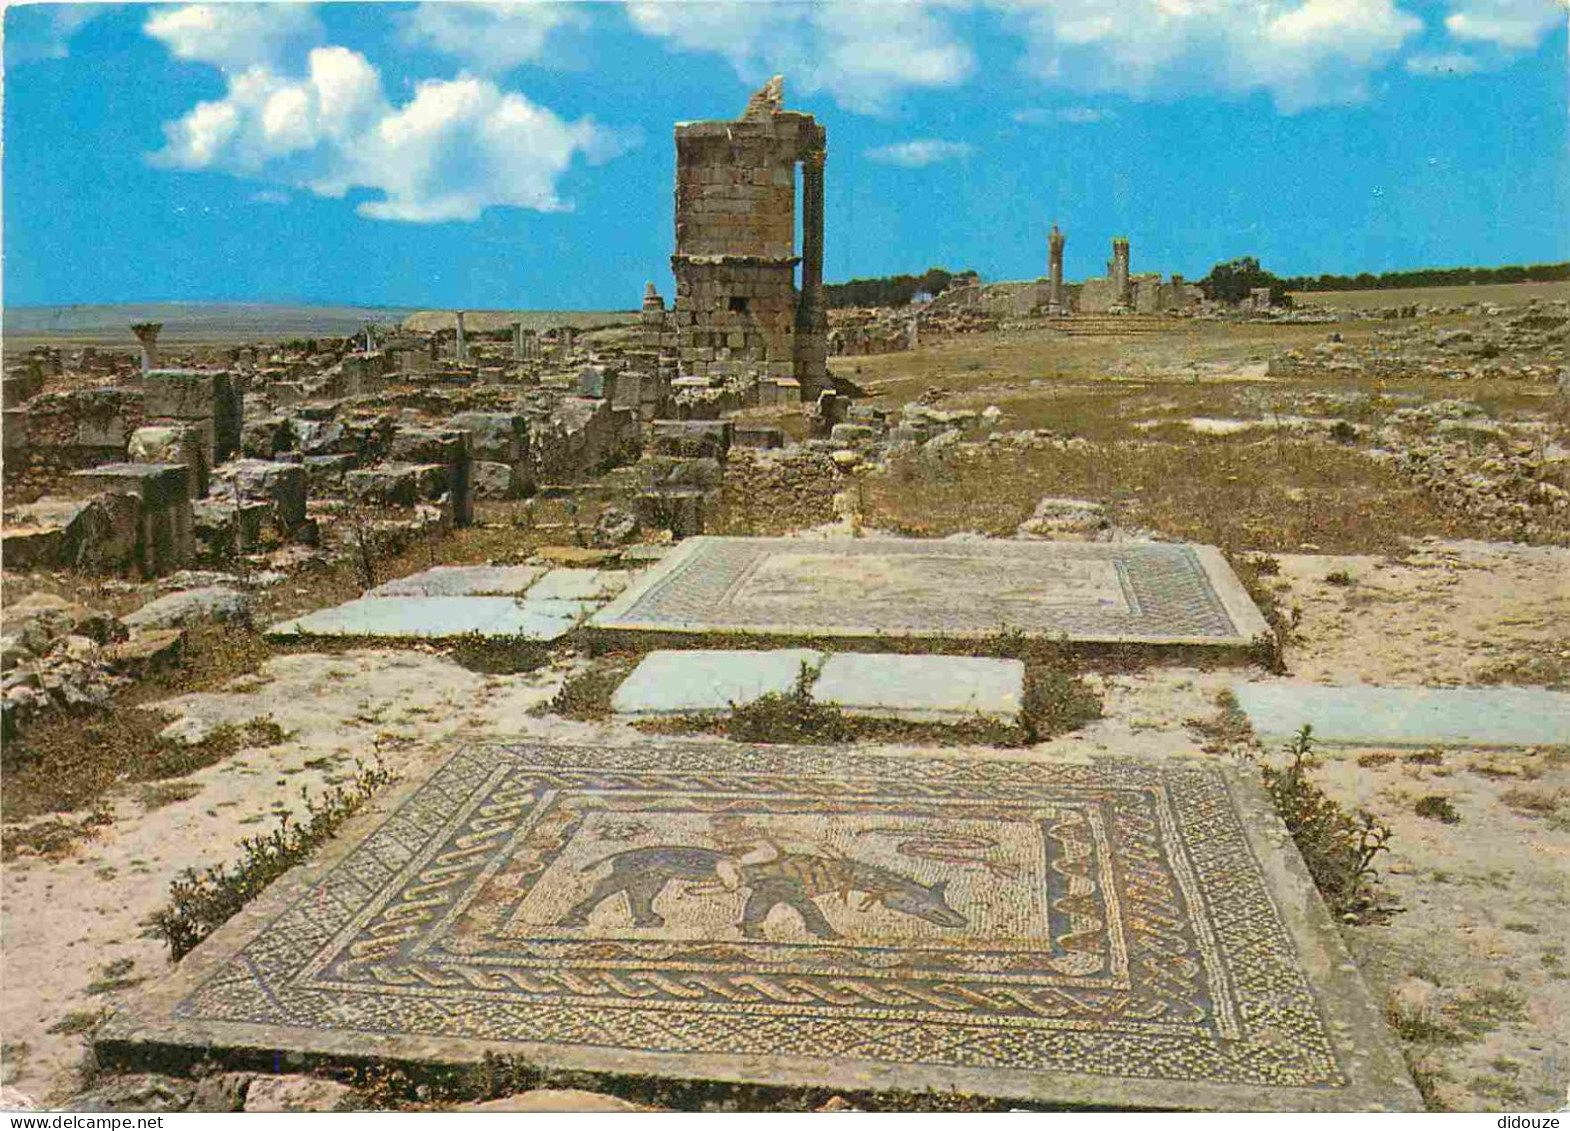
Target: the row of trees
pixel 892 290
pixel 1433 277
pixel 1234 280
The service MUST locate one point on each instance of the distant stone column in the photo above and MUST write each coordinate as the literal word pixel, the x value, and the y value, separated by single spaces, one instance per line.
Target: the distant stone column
pixel 1122 291
pixel 653 306
pixel 147 334
pixel 1055 243
pixel 463 352
pixel 517 341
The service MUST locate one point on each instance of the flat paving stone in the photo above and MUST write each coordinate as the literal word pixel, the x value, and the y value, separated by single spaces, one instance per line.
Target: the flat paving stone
pixel 1118 934
pixel 404 618
pixel 462 581
pixel 681 682
pixel 579 585
pixel 1409 716
pixel 1151 593
pixel 923 689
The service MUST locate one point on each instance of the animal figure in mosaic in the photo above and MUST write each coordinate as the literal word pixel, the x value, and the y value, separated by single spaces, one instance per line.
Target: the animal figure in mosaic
pixel 795 879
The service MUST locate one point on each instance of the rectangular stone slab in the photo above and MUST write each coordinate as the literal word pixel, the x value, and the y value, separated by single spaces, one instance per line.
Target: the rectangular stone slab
pixel 1149 593
pixel 1409 716
pixel 923 689
pixel 1118 934
pixel 461 581
pixel 579 585
pixel 693 682
pixel 402 618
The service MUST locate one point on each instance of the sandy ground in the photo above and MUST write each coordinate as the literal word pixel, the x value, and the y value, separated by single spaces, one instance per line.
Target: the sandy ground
pixel 1483 903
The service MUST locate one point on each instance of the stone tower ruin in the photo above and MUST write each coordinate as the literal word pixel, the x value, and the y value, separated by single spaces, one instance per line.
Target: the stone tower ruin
pixel 738 311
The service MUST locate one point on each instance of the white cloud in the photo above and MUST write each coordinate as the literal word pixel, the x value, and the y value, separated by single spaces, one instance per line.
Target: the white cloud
pixel 1068 115
pixel 457 147
pixel 863 53
pixel 1449 63
pixel 45 32
pixel 919 152
pixel 233 36
pixel 270 196
pixel 1514 25
pixel 1302 52
pixel 491 38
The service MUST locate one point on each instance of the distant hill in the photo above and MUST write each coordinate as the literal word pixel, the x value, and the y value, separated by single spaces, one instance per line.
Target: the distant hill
pixel 187 322
pixel 486 321
pixel 218 323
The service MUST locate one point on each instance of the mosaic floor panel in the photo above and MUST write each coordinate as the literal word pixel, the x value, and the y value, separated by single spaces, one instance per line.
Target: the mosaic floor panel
pixel 1158 593
pixel 1124 933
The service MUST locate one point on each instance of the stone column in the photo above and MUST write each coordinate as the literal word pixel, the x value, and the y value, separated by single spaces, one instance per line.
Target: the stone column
pixel 1122 293
pixel 517 341
pixel 463 353
pixel 811 317
pixel 1055 269
pixel 147 334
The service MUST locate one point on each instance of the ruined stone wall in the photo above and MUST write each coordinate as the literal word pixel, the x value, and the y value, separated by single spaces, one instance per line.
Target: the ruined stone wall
pixel 58 433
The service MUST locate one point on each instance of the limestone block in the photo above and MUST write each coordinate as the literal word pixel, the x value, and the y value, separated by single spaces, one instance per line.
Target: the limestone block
pixel 324 474
pixel 658 471
pixel 694 682
pixel 182 394
pixel 677 509
pixel 385 484
pixel 280 485
pixel 691 438
pixel 174 443
pixel 189 607
pixel 942 689
pixel 501 437
pixel 263 439
pixel 494 480
pixel 757 436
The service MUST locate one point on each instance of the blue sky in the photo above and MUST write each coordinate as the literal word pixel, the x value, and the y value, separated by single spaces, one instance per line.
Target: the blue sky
pixel 520 155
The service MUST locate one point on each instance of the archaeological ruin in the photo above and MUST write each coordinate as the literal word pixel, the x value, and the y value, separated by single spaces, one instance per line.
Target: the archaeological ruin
pixel 1040 694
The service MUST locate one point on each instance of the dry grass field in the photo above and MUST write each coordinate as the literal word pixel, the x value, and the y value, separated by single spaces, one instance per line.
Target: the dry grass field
pixel 1504 294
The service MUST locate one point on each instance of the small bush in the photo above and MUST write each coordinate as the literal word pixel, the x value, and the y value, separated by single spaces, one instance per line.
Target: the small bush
pixel 587 695
pixel 1265 565
pixel 264 731
pixel 1338 577
pixel 1338 847
pixel 201 903
pixel 1531 802
pixel 1228 729
pixel 1437 808
pixel 792 716
pixel 53 838
pixel 486 655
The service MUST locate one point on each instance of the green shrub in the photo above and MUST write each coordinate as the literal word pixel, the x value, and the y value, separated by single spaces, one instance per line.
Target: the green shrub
pixel 1338 847
pixel 791 716
pixel 201 903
